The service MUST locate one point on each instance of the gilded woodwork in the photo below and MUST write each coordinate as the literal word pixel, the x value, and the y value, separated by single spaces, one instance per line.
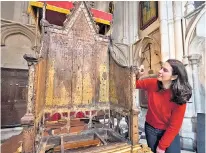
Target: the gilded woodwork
pixel 76 75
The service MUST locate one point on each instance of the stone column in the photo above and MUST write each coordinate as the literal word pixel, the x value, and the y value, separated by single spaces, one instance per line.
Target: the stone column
pixel 125 21
pixel 118 22
pixel 188 130
pixel 177 6
pixel 165 50
pixel 25 16
pixel 171 28
pixel 102 5
pixel 135 14
pixel 17 11
pixel 27 120
pixel 194 59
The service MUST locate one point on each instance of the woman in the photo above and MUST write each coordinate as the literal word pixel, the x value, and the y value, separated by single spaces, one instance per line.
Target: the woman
pixel 167 98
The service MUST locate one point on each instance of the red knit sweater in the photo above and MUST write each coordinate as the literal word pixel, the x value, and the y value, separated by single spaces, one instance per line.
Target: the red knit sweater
pixel 162 113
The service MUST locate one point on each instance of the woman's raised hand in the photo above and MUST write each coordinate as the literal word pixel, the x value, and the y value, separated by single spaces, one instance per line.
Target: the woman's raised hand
pixel 139 71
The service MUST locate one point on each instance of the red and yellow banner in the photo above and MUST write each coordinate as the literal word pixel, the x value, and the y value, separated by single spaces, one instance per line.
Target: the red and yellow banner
pixel 101 17
pixel 65 7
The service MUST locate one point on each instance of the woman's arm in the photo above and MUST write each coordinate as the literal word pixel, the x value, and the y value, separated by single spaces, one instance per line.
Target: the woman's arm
pixel 146 84
pixel 173 127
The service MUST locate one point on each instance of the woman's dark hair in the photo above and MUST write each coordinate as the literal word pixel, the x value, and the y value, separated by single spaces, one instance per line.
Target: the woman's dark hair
pixel 181 89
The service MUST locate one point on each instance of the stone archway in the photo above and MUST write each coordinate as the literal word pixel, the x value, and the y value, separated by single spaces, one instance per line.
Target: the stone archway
pixel 192 30
pixel 120 53
pixel 16 40
pixel 146 51
pixel 16 28
pixel 195 52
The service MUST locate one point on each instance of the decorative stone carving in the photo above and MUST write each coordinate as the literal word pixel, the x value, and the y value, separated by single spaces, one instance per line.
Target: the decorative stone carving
pixel 189 7
pixel 194 47
pixel 16 28
pixel 195 59
pixel 140 55
pixel 120 53
pixel 191 30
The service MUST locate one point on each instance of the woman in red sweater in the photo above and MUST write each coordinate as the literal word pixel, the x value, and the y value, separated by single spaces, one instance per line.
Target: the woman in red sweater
pixel 167 98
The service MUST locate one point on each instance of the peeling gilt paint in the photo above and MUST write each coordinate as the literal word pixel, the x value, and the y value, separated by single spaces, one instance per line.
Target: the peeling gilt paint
pixel 113 93
pixel 87 90
pixel 50 85
pixel 103 90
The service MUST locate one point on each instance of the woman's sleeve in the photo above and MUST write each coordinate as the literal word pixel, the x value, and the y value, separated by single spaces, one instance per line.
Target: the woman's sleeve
pixel 173 128
pixel 146 83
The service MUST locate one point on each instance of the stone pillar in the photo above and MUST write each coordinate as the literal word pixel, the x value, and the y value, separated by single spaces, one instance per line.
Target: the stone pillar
pixel 25 16
pixel 194 59
pixel 165 50
pixel 171 28
pixel 27 120
pixel 102 5
pixel 17 11
pixel 177 6
pixel 135 20
pixel 125 21
pixel 188 130
pixel 132 21
pixel 118 22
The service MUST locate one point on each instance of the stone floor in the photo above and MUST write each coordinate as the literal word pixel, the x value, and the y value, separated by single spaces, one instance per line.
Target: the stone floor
pixel 9 132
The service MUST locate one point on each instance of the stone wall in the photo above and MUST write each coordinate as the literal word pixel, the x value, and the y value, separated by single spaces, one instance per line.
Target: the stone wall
pixel 17 34
pixel 16 40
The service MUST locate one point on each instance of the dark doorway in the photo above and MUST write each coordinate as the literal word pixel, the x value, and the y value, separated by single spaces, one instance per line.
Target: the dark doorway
pixel 13 96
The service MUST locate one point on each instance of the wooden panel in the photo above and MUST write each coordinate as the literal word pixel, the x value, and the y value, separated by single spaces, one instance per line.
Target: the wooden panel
pixel 83 70
pixel 13 95
pixel 59 71
pixel 88 75
pixel 77 71
pixel 102 73
pixel 120 85
pixel 40 87
pixel 77 74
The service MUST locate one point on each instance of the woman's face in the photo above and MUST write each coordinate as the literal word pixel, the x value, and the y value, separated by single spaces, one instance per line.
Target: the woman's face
pixel 165 73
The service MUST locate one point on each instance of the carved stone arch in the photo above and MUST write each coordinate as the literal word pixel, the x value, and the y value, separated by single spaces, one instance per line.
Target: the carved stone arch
pixel 192 30
pixel 16 28
pixel 120 53
pixel 140 45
